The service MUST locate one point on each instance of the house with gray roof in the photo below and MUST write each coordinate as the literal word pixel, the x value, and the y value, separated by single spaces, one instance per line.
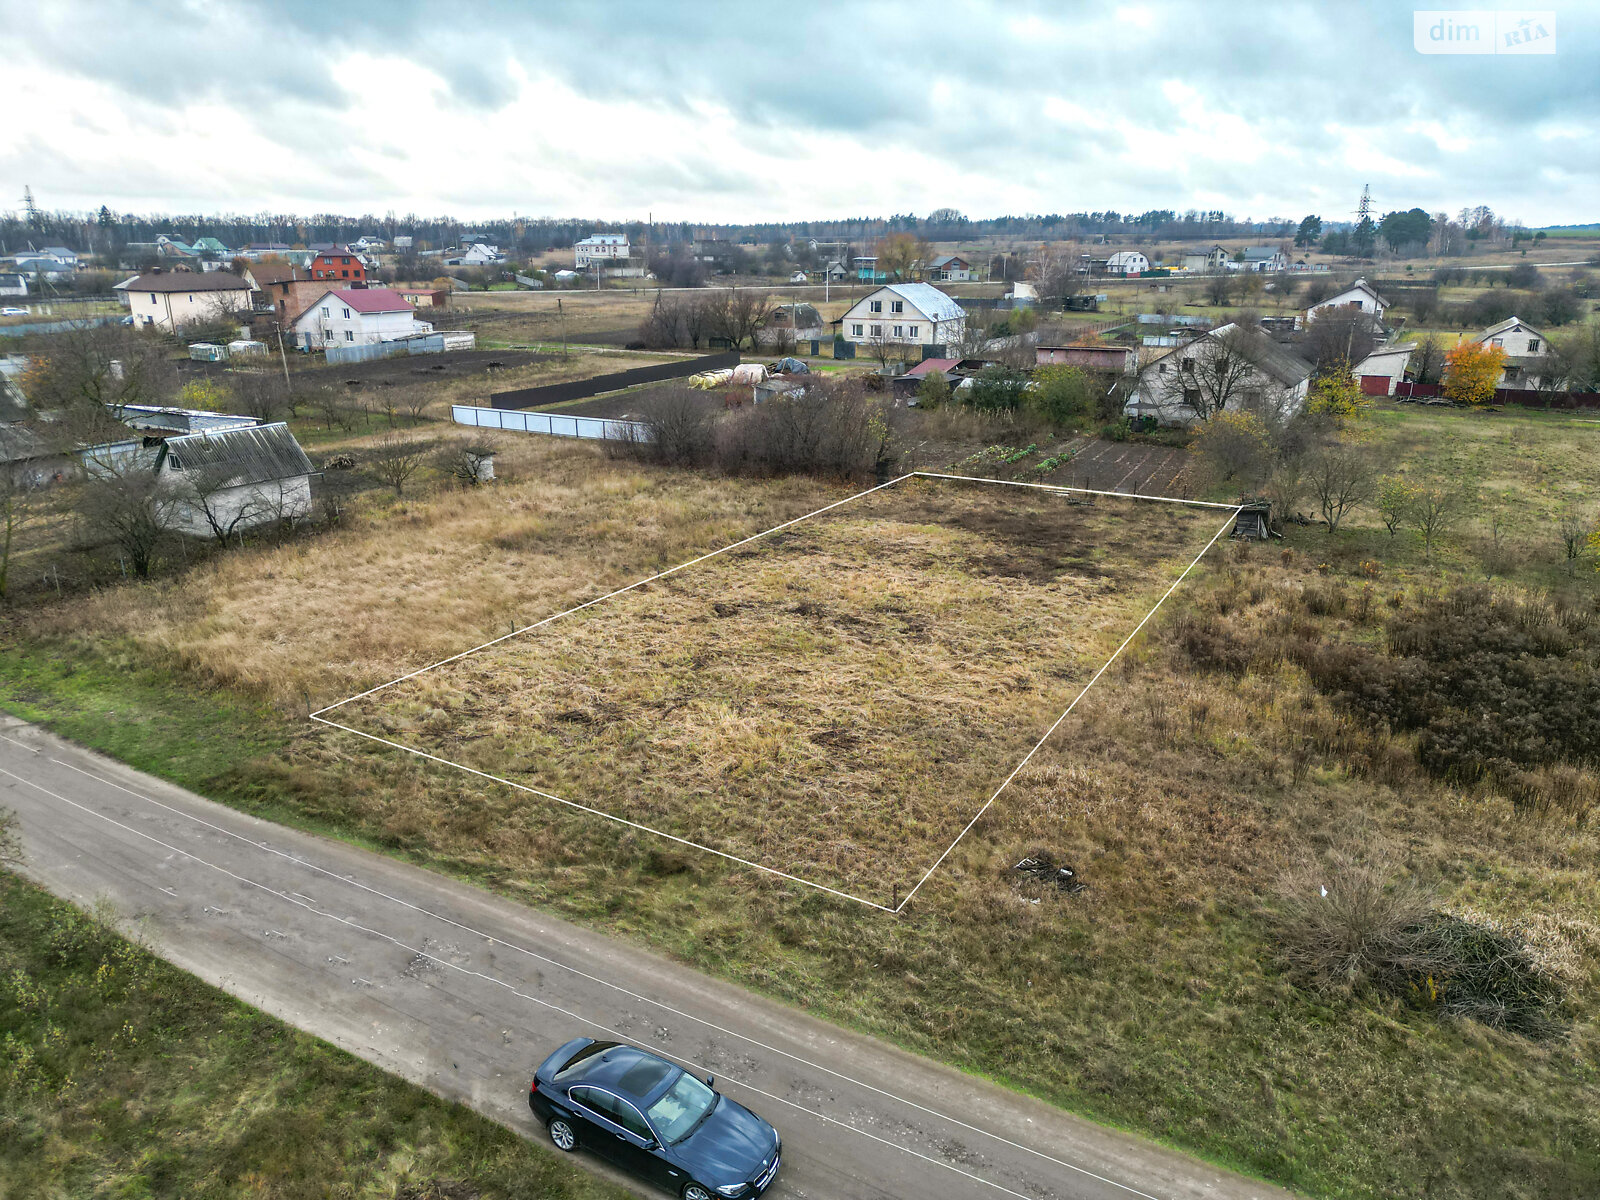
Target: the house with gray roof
pixel 227 481
pixel 1230 369
pixel 1264 258
pixel 1527 350
pixel 905 315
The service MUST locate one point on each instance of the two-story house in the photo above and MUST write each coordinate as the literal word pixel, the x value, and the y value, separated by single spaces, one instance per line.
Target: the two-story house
pixel 174 299
pixel 601 248
pixel 356 317
pixel 339 266
pixel 1206 262
pixel 1527 352
pixel 951 268
pixel 1127 262
pixel 905 314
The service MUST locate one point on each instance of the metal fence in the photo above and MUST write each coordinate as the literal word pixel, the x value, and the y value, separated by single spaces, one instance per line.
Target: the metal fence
pixel 56 326
pixel 582 389
pixel 366 352
pixel 553 424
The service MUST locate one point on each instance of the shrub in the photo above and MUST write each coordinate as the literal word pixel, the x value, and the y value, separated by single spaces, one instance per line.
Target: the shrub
pixel 675 430
pixel 934 391
pixel 997 388
pixel 1472 372
pixel 1349 928
pixel 1492 686
pixel 832 431
pixel 1062 395
pixel 1235 445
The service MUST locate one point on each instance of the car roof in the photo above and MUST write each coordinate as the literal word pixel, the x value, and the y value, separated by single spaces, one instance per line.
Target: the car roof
pixel 630 1072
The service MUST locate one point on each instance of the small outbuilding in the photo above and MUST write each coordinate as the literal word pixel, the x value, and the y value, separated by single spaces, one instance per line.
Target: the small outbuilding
pixel 228 481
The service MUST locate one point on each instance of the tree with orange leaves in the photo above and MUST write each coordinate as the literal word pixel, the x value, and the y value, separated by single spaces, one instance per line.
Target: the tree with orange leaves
pixel 1471 372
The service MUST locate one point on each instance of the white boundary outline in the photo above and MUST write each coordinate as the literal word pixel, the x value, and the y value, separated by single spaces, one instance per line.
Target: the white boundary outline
pixel 301 901
pixel 1232 509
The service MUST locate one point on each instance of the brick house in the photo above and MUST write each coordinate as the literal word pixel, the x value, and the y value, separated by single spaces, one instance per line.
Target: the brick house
pixel 340 264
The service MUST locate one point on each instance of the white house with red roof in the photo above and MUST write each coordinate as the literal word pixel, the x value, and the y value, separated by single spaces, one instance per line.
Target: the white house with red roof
pixel 355 317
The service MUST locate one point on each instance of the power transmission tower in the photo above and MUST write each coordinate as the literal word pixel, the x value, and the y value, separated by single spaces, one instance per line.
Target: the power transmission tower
pixel 35 217
pixel 1365 236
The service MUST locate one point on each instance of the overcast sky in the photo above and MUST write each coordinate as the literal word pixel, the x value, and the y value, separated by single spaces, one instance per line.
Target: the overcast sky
pixel 756 111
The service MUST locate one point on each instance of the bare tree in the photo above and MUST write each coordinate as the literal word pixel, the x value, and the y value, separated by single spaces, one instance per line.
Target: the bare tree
pixel 698 320
pixel 1219 290
pixel 416 402
pixel 395 459
pixel 663 329
pixel 1572 531
pixel 1216 372
pixel 1427 361
pixel 471 463
pixel 1339 335
pixel 260 394
pixel 131 512
pixel 84 374
pixel 1433 511
pixel 739 314
pixel 1341 476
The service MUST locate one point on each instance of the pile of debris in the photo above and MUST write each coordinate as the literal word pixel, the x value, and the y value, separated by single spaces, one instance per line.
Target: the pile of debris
pixel 1042 867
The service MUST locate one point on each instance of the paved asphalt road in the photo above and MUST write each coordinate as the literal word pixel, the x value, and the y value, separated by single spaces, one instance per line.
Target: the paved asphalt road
pixel 464 993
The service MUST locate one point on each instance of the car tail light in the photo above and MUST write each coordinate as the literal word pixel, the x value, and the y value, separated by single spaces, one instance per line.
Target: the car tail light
pixel 533 1087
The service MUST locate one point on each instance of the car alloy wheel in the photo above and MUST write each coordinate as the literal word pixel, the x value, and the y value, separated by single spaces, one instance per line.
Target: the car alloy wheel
pixel 563 1136
pixel 695 1192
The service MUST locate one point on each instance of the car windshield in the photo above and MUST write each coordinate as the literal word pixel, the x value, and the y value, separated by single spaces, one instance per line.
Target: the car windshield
pixel 681 1108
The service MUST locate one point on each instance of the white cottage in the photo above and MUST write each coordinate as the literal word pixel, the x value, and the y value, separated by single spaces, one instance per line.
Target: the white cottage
pixel 357 317
pixel 1527 352
pixel 1360 294
pixel 223 482
pixel 908 314
pixel 1127 262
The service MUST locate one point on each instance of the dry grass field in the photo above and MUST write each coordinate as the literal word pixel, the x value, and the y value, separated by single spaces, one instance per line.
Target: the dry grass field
pixel 834 701
pixel 1213 772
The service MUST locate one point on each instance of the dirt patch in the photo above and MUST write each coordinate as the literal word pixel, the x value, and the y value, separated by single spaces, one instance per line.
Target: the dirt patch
pixel 412 368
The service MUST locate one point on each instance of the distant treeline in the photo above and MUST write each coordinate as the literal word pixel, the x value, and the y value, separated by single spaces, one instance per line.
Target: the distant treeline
pixel 107 232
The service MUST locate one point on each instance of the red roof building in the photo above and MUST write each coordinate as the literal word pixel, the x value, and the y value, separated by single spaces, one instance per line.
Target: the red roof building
pixel 341 264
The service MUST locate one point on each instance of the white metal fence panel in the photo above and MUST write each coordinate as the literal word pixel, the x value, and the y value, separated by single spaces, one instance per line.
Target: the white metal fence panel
pixel 552 424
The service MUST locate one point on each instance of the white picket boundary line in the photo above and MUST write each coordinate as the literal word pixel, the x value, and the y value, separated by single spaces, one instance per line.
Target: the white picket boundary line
pixel 317 716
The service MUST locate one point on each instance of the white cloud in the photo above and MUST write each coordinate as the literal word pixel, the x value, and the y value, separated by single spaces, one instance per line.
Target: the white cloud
pixel 1016 108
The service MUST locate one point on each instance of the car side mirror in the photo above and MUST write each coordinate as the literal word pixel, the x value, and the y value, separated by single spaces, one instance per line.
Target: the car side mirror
pixel 711 1080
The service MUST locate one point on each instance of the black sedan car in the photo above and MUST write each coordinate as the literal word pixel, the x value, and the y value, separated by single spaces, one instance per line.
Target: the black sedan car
pixel 654 1120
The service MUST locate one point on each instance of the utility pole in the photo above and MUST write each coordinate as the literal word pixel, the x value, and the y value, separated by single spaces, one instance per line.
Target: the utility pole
pixel 287 386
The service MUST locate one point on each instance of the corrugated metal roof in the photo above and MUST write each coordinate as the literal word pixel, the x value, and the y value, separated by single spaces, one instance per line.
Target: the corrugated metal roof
pixel 929 301
pixel 241 456
pixel 18 443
